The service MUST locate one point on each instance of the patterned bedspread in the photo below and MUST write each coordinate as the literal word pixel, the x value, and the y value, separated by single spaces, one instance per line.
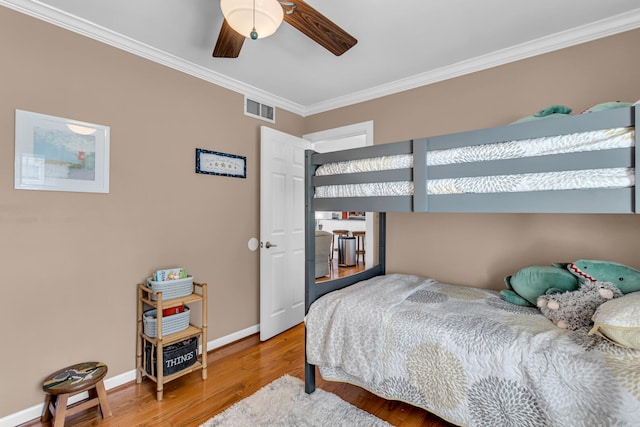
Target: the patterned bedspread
pixel 470 357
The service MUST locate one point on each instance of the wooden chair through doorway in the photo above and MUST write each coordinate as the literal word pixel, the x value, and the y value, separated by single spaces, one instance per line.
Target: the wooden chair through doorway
pixel 359 235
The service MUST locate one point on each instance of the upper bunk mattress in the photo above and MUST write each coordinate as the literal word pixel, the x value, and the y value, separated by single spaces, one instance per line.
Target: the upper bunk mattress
pixel 572 143
pixel 544 181
pixel 562 180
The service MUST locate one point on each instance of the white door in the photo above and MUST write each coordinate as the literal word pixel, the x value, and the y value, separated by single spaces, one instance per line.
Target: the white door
pixel 282 259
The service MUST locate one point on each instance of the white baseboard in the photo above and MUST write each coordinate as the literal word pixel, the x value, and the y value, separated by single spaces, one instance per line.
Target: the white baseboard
pixel 35 411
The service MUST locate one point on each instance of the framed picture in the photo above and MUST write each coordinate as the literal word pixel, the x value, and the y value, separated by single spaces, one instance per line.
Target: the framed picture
pixel 215 163
pixel 356 215
pixel 57 154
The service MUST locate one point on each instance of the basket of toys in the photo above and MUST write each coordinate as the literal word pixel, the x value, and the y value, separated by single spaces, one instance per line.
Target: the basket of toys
pixel 170 324
pixel 173 283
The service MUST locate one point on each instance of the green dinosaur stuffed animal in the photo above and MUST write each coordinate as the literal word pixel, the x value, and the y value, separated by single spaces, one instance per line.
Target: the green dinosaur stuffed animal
pixel 627 279
pixel 526 285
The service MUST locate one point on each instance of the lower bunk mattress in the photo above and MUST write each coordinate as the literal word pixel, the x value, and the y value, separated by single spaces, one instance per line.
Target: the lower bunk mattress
pixel 469 357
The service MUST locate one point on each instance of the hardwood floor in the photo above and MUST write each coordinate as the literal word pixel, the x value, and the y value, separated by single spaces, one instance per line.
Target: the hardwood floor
pixel 337 271
pixel 235 372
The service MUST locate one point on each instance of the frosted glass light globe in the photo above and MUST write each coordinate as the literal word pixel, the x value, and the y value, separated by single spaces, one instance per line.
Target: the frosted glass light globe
pixel 240 16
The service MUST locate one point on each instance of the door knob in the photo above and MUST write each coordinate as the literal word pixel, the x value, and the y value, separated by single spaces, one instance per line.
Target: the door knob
pixel 270 245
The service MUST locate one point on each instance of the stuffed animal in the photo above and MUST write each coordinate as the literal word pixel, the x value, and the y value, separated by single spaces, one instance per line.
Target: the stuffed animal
pixel 627 279
pixel 573 310
pixel 551 111
pixel 526 285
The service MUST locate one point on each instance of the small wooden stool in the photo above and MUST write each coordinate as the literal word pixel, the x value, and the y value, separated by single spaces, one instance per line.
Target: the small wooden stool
pixel 359 235
pixel 75 379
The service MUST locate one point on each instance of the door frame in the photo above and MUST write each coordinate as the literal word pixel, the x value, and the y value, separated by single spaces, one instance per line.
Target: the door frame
pixel 340 139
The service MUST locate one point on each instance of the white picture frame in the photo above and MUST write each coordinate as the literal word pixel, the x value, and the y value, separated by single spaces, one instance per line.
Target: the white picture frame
pixel 58 154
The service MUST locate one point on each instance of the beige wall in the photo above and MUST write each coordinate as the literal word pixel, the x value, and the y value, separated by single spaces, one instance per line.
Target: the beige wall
pixel 71 261
pixel 480 249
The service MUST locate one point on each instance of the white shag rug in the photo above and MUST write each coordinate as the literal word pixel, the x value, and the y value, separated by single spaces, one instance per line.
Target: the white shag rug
pixel 284 403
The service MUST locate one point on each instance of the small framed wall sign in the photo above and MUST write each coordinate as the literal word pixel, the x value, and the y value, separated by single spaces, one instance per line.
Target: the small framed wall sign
pixel 58 154
pixel 215 163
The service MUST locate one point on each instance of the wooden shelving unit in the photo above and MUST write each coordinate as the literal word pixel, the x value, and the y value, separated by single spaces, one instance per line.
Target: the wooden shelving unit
pixel 148 299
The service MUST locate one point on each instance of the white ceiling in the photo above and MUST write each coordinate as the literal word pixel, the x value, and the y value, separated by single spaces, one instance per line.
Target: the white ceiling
pixel 401 44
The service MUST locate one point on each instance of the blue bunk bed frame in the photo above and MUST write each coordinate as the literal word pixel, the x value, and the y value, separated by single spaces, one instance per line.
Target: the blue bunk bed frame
pixel 594 201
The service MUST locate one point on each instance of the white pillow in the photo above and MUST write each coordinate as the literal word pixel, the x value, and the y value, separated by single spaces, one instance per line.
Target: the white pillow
pixel 619 321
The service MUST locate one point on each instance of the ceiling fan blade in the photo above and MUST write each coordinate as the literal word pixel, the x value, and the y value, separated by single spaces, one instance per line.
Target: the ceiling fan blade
pixel 319 28
pixel 229 42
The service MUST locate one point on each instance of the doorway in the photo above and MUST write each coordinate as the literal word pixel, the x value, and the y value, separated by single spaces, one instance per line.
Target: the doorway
pixel 343 138
pixel 282 219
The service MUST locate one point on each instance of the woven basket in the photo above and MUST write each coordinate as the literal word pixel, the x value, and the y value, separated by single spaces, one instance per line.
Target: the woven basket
pixel 175 357
pixel 171 288
pixel 170 324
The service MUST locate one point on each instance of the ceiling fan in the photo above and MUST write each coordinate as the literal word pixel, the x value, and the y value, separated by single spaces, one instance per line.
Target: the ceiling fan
pixel 260 18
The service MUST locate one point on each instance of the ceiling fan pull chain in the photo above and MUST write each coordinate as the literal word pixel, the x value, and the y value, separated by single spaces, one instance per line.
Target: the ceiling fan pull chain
pixel 289 7
pixel 254 33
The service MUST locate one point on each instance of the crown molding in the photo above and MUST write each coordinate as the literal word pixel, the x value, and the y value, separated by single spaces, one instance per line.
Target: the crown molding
pixel 606 27
pixel 89 29
pixel 599 29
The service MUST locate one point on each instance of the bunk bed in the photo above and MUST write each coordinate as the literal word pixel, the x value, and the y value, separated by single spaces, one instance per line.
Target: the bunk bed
pixel 576 164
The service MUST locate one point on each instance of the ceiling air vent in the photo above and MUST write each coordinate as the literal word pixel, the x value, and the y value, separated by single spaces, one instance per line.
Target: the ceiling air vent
pixel 258 110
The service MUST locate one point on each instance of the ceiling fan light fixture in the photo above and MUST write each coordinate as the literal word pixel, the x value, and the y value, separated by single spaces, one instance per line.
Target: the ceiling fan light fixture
pixel 252 23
